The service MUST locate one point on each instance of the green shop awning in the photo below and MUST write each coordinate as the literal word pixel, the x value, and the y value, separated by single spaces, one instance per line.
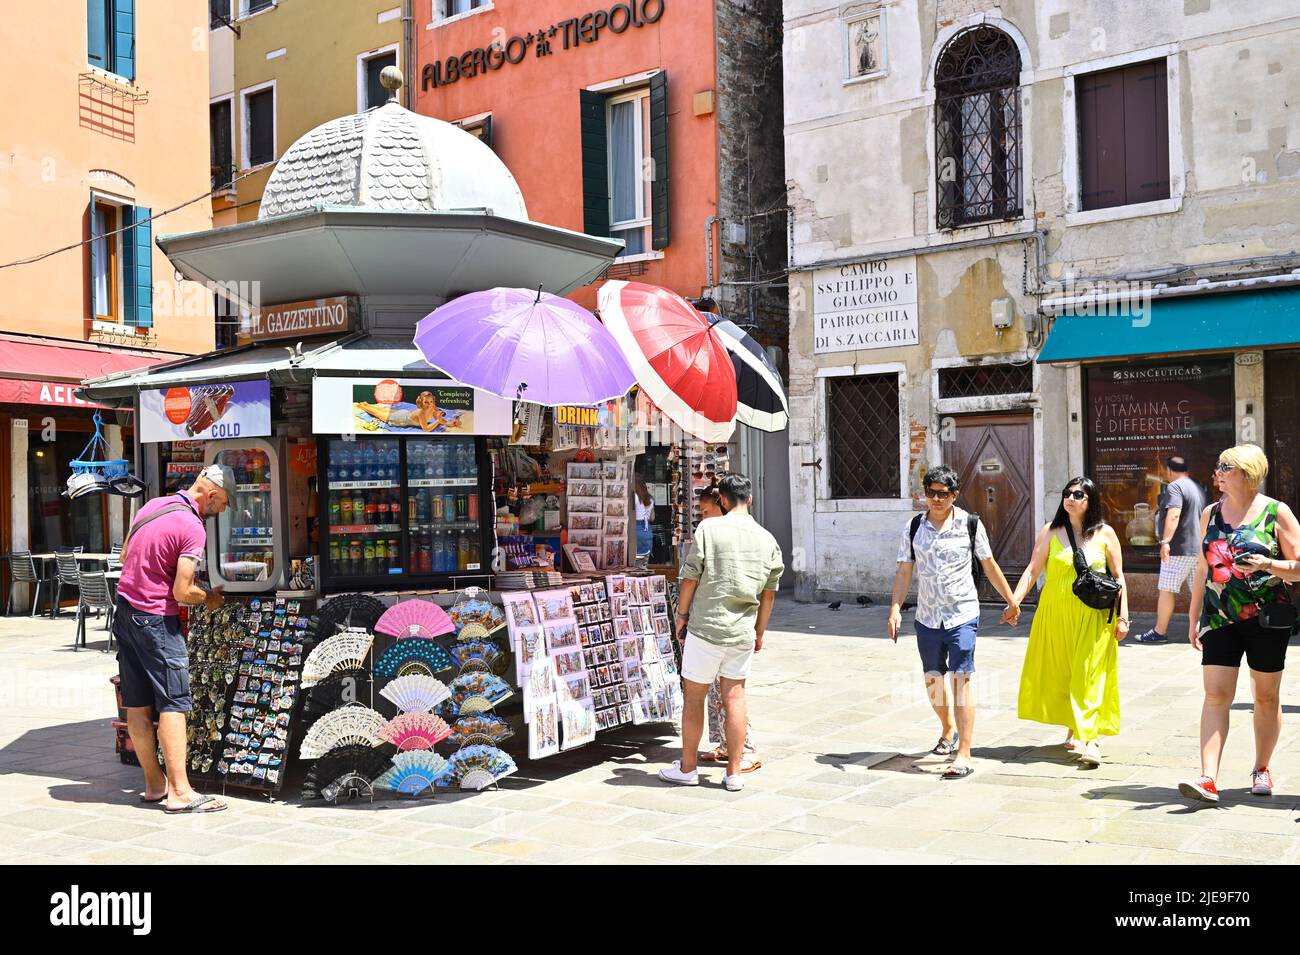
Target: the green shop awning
pixel 1192 323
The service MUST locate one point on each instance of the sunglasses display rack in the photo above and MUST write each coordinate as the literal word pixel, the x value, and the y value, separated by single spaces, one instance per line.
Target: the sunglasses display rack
pixel 692 466
pixel 267 692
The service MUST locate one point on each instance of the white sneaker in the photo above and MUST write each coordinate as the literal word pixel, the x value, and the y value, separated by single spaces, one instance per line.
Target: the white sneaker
pixel 673 774
pixel 734 784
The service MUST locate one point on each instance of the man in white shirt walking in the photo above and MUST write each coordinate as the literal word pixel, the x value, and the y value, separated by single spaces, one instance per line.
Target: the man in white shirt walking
pixel 944 544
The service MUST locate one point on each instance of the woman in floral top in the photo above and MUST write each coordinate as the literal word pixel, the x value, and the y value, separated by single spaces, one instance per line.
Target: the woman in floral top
pixel 1249 546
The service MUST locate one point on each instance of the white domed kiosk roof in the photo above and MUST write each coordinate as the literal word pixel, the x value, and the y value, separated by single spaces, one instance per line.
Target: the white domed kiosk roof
pixel 389 158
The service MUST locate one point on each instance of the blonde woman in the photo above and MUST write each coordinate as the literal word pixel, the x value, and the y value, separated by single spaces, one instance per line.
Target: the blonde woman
pixel 1241 606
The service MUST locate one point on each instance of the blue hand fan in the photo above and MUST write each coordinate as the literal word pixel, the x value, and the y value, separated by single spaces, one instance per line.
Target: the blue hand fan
pixel 413 772
pixel 414 656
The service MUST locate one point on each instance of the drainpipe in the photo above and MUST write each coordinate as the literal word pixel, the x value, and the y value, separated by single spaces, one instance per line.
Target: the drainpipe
pixel 708 255
pixel 408 51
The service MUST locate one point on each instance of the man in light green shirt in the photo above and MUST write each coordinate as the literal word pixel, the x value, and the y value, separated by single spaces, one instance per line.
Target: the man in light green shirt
pixel 728 585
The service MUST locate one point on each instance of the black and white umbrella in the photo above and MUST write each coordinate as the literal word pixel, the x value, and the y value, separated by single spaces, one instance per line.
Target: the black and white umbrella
pixel 760 395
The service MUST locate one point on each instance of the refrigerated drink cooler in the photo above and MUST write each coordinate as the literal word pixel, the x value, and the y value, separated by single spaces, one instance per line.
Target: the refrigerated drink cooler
pixel 248 549
pixel 402 508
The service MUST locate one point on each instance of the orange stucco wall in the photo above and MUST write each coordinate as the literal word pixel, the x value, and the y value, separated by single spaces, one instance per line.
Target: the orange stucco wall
pixel 534 104
pixel 64 137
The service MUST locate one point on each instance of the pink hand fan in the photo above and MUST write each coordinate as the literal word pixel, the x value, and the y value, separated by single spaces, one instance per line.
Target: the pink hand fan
pixel 414 731
pixel 415 618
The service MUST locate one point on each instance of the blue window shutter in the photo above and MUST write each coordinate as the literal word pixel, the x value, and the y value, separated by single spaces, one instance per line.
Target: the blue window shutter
pixel 97 33
pixel 129 297
pixel 141 276
pixel 124 38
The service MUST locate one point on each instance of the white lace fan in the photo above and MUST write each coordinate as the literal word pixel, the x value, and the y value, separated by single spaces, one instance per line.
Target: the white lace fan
pixel 415 693
pixel 349 724
pixel 343 651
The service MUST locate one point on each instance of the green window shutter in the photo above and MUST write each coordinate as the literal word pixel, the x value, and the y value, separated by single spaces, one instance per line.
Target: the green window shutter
pixel 137 267
pixel 97 46
pixel 595 164
pixel 124 38
pixel 659 157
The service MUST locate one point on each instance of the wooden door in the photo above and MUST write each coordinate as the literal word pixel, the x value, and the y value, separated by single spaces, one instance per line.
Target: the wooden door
pixel 1282 423
pixel 994 455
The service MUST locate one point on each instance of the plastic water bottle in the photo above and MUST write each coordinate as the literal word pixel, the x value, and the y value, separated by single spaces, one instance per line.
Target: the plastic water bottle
pixel 439 461
pixel 356 464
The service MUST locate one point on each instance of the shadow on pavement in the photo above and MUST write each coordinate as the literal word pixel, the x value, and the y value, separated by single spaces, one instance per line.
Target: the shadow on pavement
pixel 1165 797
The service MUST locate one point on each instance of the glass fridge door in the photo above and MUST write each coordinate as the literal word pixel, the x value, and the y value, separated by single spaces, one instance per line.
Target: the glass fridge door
pixel 364 510
pixel 246 529
pixel 443 504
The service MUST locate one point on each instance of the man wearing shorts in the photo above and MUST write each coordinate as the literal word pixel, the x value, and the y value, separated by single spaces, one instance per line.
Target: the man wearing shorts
pixel 728 586
pixel 159 559
pixel 943 544
pixel 1177 522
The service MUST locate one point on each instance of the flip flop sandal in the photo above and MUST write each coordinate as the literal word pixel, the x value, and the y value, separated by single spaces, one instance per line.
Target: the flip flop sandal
pixel 945 747
pixel 713 756
pixel 749 765
pixel 162 798
pixel 196 806
pixel 957 772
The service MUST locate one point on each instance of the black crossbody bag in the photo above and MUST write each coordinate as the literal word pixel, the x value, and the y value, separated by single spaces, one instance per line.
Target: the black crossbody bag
pixel 1096 588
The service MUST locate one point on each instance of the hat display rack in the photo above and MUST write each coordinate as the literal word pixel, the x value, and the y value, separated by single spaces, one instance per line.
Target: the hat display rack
pixel 94 471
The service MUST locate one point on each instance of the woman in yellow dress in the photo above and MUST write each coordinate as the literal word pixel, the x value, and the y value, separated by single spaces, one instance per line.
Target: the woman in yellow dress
pixel 1071 672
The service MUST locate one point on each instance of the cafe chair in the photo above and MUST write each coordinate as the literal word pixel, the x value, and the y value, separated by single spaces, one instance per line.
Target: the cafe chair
pixel 68 576
pixel 22 570
pixel 114 557
pixel 92 594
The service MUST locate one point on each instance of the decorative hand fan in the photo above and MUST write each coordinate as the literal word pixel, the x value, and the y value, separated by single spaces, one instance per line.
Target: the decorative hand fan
pixel 358 611
pixel 489 686
pixel 415 693
pixel 473 606
pixel 415 618
pixel 338 689
pixel 351 724
pixel 477 655
pixel 485 728
pixel 414 731
pixel 414 656
pixel 341 768
pixel 344 651
pixel 477 767
pixel 413 772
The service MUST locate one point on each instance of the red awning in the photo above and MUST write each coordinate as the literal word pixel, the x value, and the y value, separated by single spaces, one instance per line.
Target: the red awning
pixel 34 371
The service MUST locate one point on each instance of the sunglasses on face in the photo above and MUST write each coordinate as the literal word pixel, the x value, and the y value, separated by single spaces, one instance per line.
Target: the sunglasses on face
pixel 938 494
pixel 1076 495
pixel 1224 467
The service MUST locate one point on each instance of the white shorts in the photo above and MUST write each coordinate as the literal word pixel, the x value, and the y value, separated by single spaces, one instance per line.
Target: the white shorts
pixel 704 662
pixel 1174 571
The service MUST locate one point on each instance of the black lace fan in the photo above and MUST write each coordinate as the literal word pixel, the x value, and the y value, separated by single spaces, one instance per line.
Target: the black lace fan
pixel 337 689
pixel 345 610
pixel 344 772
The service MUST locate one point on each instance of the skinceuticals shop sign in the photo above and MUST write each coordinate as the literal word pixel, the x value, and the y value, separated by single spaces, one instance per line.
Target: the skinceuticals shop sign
pixel 869 304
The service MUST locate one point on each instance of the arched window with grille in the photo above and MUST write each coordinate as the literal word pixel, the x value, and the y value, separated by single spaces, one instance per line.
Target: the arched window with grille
pixel 977 128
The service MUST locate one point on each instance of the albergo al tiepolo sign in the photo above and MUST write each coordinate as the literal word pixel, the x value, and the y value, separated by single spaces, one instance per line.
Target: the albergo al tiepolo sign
pixel 618 18
pixel 321 316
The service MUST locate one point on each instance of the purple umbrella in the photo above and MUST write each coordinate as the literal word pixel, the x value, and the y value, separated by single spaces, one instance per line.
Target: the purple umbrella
pixel 530 345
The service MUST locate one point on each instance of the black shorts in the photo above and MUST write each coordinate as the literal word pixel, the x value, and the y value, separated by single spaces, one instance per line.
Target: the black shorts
pixel 152 660
pixel 1265 650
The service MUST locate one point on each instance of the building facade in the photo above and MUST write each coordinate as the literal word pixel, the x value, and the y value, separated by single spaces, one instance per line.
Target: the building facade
pixel 104 149
pixel 657 122
pixel 1033 240
pixel 280 69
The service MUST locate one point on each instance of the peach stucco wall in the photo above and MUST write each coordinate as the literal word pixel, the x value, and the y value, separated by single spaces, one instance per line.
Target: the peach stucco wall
pixel 535 110
pixel 61 140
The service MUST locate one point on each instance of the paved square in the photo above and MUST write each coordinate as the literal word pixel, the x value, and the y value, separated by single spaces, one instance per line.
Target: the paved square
pixel 839 715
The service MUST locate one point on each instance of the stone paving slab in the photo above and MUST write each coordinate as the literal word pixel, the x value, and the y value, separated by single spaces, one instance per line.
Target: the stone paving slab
pixel 844 727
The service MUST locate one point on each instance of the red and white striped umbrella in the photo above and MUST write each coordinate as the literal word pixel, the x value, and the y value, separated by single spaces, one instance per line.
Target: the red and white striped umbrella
pixel 679 361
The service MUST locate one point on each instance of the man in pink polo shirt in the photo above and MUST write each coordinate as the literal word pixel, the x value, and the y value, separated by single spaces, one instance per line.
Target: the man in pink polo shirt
pixel 159 559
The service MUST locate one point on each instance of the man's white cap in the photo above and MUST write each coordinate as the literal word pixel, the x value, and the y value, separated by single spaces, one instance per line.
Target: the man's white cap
pixel 220 475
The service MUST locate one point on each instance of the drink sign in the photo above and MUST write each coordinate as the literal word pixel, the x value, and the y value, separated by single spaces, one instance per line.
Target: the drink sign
pixel 236 409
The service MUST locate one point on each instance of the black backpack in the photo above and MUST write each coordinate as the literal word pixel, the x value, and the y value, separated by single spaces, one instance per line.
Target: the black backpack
pixel 972 525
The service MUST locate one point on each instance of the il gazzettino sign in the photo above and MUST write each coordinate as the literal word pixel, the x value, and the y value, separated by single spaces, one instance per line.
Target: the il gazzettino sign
pixel 869 304
pixel 76 908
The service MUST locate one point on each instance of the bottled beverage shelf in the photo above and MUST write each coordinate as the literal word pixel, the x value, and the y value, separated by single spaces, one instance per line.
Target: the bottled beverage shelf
pixel 363 485
pixel 443 482
pixel 343 529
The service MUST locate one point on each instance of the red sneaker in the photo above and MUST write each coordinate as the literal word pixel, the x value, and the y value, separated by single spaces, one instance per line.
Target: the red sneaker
pixel 1202 787
pixel 1261 782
